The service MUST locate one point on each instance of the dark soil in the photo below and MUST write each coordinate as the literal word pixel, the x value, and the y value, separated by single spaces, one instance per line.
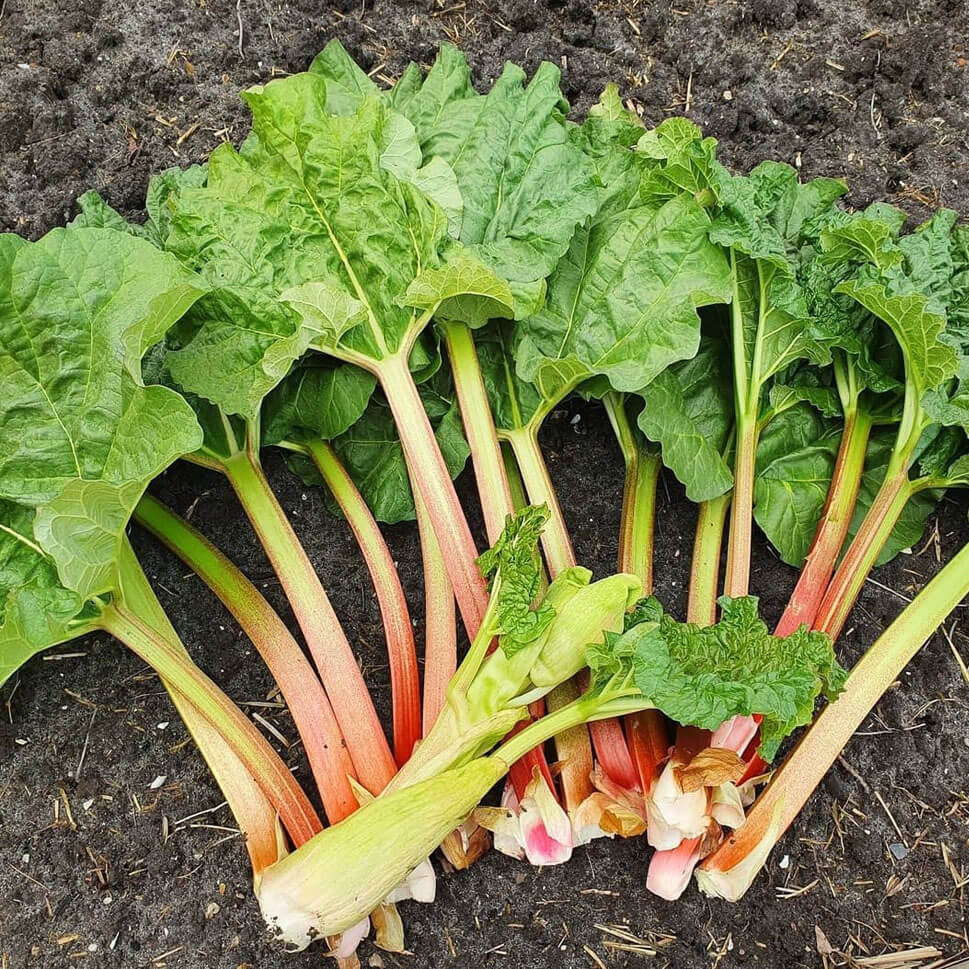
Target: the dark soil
pixel 100 95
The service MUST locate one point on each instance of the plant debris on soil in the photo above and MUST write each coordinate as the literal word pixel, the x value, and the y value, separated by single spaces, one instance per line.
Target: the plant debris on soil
pixel 115 848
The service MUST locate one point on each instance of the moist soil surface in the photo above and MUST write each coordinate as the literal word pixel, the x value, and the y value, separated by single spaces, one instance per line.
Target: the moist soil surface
pixel 114 847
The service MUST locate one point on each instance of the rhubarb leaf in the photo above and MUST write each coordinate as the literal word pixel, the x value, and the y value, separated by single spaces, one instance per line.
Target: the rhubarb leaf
pixel 525 186
pixel 795 462
pixel 35 608
pixel 623 300
pixel 513 568
pixel 703 676
pixel 689 412
pixel 80 434
pixel 317 400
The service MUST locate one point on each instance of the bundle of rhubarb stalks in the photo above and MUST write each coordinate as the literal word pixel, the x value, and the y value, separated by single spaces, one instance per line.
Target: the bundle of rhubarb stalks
pixel 386 283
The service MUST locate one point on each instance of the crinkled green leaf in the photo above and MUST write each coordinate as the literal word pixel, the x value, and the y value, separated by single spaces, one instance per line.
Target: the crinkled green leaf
pixel 689 412
pixel 525 186
pixel 916 325
pixel 513 567
pixel 682 160
pixel 79 309
pixel 623 300
pixel 346 84
pixel 705 675
pixel 321 401
pixel 80 435
pixel 35 609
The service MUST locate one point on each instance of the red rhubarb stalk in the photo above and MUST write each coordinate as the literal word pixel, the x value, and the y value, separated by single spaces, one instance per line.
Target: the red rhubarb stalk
pixel 405 681
pixel 440 630
pixel 324 635
pixel 832 530
pixel 883 515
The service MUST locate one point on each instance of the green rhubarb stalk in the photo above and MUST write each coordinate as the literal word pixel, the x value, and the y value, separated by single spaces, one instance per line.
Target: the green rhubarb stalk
pixel 729 871
pixel 253 811
pixel 328 644
pixel 404 676
pixel 832 529
pixel 705 568
pixel 737 576
pixel 494 491
pixel 638 520
pixel 556 542
pixel 300 686
pixel 252 749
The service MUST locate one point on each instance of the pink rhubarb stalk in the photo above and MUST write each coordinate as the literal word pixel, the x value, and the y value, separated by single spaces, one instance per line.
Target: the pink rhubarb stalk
pixel 405 682
pixel 440 630
pixel 299 684
pixel 431 479
pixel 328 644
pixel 832 530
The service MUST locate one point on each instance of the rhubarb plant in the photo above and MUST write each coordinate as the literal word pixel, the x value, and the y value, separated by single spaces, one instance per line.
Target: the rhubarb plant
pixel 81 436
pixel 696 675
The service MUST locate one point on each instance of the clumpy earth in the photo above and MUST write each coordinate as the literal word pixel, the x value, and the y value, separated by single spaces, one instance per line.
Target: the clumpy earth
pixel 115 849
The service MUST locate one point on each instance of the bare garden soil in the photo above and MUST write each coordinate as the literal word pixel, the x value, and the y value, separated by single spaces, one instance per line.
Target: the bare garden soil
pixel 114 849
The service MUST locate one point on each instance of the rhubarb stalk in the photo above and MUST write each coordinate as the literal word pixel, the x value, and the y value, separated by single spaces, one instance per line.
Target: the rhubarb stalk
pixel 705 568
pixel 328 644
pixel 440 630
pixel 729 871
pixel 298 682
pixel 253 811
pixel 882 517
pixel 832 530
pixel 431 479
pixel 494 491
pixel 405 682
pixel 252 749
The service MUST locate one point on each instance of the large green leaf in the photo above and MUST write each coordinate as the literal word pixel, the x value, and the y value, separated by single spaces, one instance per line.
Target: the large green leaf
pixel 689 412
pixel 795 462
pixel 316 400
pixel 525 187
pixel 77 312
pixel 35 609
pixel 623 300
